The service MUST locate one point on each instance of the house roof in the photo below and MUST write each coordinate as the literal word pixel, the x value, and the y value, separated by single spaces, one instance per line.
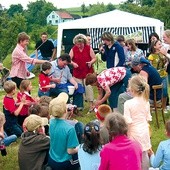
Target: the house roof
pixel 64 15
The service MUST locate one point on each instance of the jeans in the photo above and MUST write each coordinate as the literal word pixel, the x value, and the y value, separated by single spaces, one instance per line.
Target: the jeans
pixel 15 129
pixel 41 93
pixel 9 139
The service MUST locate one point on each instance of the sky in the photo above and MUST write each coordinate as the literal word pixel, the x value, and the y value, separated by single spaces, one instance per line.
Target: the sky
pixel 59 3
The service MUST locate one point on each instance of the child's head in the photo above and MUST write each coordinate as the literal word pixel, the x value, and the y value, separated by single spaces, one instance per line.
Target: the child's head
pixel 44 111
pixel 58 105
pixel 138 86
pixel 91 79
pixel 34 122
pixel 45 100
pixel 2 119
pixel 25 85
pixel 155 46
pixel 9 86
pixel 102 111
pixel 46 67
pixel 116 125
pixel 34 109
pixel 92 142
pixel 167 127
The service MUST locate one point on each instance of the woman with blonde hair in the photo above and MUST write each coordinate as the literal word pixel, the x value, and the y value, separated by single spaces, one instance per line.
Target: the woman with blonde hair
pixel 83 58
pixel 137 114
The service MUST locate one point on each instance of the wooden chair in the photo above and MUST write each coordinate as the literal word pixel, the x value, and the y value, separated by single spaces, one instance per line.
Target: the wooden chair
pixel 157 105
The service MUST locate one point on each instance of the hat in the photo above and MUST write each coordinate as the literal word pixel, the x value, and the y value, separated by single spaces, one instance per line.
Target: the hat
pixel 58 105
pixel 102 111
pixel 32 122
pixel 138 60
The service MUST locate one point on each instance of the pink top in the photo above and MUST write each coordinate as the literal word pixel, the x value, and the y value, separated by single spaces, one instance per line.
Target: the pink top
pixel 120 154
pixel 137 115
pixel 19 60
pixel 111 76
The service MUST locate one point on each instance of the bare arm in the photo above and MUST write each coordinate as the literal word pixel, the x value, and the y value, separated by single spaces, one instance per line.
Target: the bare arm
pixel 54 54
pixel 75 65
pixel 72 81
pixel 144 74
pixel 36 53
pixel 72 151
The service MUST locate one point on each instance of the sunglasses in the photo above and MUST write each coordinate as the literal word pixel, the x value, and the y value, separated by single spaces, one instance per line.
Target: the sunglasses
pixel 88 128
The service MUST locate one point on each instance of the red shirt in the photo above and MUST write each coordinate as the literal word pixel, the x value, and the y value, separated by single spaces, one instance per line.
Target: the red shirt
pixel 24 110
pixel 9 104
pixel 81 57
pixel 44 80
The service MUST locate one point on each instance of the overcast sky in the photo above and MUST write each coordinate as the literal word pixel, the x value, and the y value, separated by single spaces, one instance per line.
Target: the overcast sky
pixel 59 3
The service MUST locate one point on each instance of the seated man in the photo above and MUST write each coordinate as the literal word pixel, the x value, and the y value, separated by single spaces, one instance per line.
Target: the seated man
pixel 145 69
pixel 62 77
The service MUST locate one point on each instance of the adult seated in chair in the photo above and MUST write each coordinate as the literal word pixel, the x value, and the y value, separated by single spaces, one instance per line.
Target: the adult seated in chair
pixel 62 77
pixel 145 69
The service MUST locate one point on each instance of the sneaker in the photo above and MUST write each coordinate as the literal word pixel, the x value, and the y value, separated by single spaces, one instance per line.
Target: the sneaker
pixel 168 107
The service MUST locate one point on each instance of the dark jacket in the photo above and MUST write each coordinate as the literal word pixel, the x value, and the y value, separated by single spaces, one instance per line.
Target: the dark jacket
pixel 33 150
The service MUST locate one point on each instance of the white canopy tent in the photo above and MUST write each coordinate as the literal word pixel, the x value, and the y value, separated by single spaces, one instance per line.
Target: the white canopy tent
pixel 116 21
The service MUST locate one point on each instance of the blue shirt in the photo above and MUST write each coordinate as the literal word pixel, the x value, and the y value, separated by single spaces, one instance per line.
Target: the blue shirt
pixel 88 161
pixel 110 55
pixel 162 155
pixel 63 73
pixel 62 137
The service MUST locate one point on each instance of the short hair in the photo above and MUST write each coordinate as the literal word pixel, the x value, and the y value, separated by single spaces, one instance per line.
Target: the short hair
pixel 44 33
pixel 23 36
pixel 2 119
pixel 9 86
pixel 80 38
pixel 108 36
pixel 46 66
pixel 44 111
pixel 45 100
pixel 34 109
pixel 116 124
pixel 91 78
pixel 167 126
pixel 65 57
pixel 24 85
pixel 120 38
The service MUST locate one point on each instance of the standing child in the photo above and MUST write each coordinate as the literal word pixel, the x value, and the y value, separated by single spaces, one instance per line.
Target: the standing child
pixel 44 80
pixel 25 88
pixel 137 115
pixel 10 109
pixel 162 156
pixel 88 152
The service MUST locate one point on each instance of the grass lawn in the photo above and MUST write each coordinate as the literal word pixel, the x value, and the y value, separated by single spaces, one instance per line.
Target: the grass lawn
pixel 10 161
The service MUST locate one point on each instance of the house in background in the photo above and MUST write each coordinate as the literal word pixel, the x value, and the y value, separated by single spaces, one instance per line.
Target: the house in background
pixel 56 17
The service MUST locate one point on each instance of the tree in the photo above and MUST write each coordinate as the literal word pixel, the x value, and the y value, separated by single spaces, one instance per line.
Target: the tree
pixel 97 9
pixel 83 8
pixel 14 9
pixel 110 7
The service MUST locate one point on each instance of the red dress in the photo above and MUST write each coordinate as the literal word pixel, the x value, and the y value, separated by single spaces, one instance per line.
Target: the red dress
pixel 81 58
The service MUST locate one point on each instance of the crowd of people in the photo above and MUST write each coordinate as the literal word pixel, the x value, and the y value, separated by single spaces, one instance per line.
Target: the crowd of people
pixel 119 138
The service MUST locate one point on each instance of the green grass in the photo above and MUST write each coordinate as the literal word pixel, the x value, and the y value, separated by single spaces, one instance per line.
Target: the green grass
pixel 10 162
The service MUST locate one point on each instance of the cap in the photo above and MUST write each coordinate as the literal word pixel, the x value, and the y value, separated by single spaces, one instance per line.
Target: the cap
pixel 58 105
pixel 138 60
pixel 32 122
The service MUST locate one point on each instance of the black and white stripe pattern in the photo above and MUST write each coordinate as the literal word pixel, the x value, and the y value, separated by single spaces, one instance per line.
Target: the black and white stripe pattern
pixel 96 33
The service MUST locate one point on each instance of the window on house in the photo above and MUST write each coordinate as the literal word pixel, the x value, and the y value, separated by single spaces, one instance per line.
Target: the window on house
pixel 56 21
pixel 53 16
pixel 50 21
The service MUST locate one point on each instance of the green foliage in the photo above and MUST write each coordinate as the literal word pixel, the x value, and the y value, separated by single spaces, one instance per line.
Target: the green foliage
pixel 14 9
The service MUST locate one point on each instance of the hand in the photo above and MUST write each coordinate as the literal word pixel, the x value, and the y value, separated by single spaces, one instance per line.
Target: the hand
pixel 53 86
pixel 97 103
pixel 89 64
pixel 76 86
pixel 75 65
pixel 150 152
pixel 57 80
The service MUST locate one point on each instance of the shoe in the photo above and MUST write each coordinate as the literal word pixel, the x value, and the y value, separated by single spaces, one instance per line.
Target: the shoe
pixel 80 108
pixel 168 108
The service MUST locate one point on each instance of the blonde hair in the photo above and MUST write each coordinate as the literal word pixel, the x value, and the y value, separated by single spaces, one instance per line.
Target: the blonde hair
pixel 9 86
pixel 139 86
pixel 132 43
pixel 167 33
pixel 22 36
pixel 80 38
pixel 24 85
pixel 2 119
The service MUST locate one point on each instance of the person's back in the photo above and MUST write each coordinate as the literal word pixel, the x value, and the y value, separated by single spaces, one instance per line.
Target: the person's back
pixel 34 144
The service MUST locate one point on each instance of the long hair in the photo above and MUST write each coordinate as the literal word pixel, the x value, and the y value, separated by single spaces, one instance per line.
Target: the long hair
pixel 132 43
pixel 152 49
pixel 139 86
pixel 92 142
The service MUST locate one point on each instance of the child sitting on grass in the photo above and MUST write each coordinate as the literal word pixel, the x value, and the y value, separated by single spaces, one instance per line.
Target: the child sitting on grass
pixel 10 109
pixel 162 157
